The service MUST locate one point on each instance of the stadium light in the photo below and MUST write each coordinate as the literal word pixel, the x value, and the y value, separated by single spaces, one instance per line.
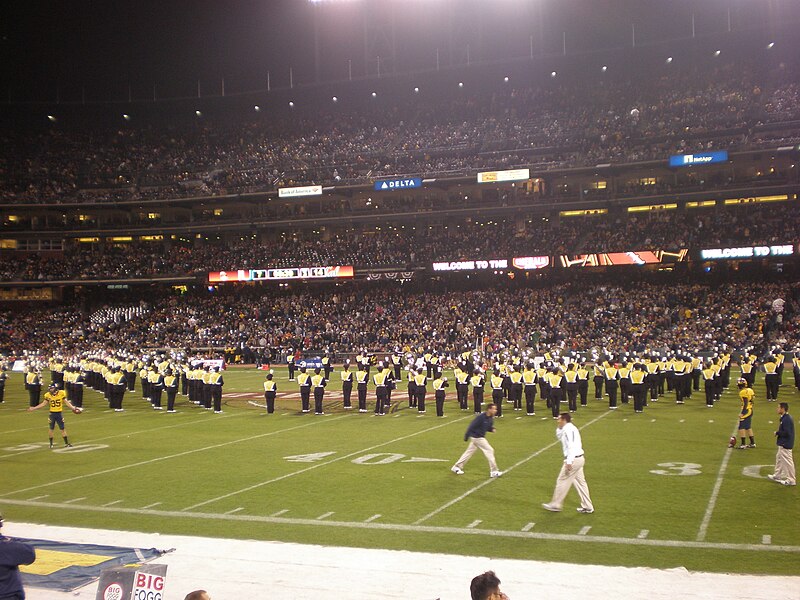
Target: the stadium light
pixel 717 52
pixel 416 90
pixel 604 69
pixel 291 104
pixel 505 78
pixel 553 74
pixel 126 116
pixel 51 118
pixel 257 108
pixel 669 59
pixel 770 45
pixel 335 99
pixel 461 84
pixel 374 94
pixel 198 113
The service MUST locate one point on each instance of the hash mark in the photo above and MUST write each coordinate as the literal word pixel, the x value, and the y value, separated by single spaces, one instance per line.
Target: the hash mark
pixel 585 529
pixel 643 534
pixel 528 527
pixel 474 524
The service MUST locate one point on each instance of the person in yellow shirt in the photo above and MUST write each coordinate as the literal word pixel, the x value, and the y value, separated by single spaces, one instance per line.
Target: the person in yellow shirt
pixel 746 394
pixel 56 399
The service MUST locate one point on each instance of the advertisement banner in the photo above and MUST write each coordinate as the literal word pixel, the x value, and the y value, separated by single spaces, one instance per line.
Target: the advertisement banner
pixel 291 273
pixel 471 265
pixel 702 158
pixel 607 259
pixel 500 176
pixel 386 185
pixel 746 252
pixel 225 276
pixel 527 263
pixel 298 192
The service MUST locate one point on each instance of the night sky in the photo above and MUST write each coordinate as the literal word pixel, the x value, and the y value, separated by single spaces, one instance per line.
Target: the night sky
pixel 100 47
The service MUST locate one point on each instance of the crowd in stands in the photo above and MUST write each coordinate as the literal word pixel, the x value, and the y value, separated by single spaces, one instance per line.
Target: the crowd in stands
pixel 406 246
pixel 629 316
pixel 552 125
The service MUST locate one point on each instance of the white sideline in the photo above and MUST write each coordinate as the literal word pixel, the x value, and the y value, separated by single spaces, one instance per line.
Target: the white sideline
pixel 236 569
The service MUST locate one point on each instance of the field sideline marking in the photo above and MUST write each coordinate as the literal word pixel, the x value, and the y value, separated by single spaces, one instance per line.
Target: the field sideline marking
pixel 116 435
pixel 565 537
pixel 320 464
pixel 712 502
pixel 168 457
pixel 490 480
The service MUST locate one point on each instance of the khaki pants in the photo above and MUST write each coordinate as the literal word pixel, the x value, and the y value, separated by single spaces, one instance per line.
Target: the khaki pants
pixel 474 444
pixel 784 465
pixel 573 477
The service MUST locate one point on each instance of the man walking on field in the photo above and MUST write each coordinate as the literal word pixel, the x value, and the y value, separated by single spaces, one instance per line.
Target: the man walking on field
pixel 784 462
pixel 476 435
pixel 572 470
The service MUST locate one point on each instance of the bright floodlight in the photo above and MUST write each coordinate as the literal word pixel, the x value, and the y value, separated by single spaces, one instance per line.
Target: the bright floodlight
pixel 460 84
pixel 553 74
pixel 505 78
pixel 771 44
pixel 51 118
pixel 604 69
pixel 374 94
pixel 669 59
pixel 126 116
pixel 198 113
pixel 257 108
pixel 335 99
pixel 416 90
pixel 291 104
pixel 717 53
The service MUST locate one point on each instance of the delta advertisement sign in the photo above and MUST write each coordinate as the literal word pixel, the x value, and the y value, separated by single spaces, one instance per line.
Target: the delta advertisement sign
pixel 281 274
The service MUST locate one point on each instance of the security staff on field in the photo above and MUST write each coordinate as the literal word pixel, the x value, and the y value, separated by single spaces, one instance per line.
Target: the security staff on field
pixel 304 381
pixel 270 391
pixel 347 384
pixel 318 382
pixel 361 387
pixel 171 387
pixel 439 393
pixel 381 389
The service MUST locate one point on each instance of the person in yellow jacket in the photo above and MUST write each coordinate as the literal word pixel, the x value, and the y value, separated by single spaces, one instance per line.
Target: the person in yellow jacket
pixel 746 395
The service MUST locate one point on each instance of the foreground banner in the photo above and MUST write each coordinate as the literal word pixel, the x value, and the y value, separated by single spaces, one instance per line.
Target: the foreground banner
pixel 608 259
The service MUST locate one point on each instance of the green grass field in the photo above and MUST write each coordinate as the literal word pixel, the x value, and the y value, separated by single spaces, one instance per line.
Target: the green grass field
pixel 358 480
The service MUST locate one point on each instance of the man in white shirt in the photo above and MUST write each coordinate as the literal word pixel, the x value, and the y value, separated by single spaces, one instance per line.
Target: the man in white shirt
pixel 572 469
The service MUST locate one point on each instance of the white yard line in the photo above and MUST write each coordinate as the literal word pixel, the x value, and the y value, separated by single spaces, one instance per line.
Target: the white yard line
pixel 497 533
pixel 151 505
pixel 117 435
pixel 74 500
pixel 490 480
pixel 712 501
pixel 318 465
pixel 168 457
pixel 235 510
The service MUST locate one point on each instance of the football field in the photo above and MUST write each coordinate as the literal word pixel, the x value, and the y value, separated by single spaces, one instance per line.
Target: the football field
pixel 667 490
